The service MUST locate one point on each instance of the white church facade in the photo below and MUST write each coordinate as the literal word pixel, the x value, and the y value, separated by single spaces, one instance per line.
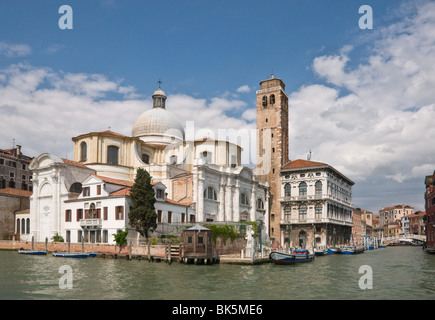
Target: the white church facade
pixel 194 181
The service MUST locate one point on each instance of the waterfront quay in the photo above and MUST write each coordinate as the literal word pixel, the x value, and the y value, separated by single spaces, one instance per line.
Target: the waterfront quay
pixel 153 253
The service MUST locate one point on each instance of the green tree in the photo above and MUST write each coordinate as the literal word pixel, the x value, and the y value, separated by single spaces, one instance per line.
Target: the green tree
pixel 143 216
pixel 121 238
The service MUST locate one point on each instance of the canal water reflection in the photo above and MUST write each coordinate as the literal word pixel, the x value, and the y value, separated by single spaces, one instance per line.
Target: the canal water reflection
pixel 398 273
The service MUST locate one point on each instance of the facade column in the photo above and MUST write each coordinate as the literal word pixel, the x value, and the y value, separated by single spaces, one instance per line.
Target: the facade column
pixel 228 201
pixel 236 202
pixel 221 209
pixel 253 202
pixel 200 199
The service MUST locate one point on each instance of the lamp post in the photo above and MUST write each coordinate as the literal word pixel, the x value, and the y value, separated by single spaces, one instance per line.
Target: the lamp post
pixel 288 227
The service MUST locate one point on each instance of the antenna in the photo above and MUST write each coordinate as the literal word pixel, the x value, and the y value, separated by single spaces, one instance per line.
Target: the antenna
pixel 309 156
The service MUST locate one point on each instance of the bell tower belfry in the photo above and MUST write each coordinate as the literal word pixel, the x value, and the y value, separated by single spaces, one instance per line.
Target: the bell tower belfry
pixel 272 143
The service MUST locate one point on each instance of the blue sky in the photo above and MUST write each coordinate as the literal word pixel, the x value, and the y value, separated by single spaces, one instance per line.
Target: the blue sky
pixel 359 99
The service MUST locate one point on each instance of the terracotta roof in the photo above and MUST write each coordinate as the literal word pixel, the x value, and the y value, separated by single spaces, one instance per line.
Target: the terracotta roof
pixel 179 203
pixel 16 192
pixel 115 181
pixel 299 163
pixel 74 163
pixel 25 211
pixel 111 133
pixel 122 192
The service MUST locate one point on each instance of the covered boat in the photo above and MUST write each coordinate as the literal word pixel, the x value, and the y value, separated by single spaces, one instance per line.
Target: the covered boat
pixel 298 255
pixel 35 252
pixel 71 254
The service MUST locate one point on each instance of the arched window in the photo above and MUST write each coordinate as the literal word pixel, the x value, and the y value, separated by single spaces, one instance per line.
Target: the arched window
pixel 28 226
pixel 303 212
pixel 244 199
pixel 112 155
pixel 23 226
pixel 302 189
pixel 145 158
pixel 272 99
pixel 260 204
pixel 210 193
pixel 287 190
pixel 18 226
pixel 287 213
pixel 264 101
pixel 318 187
pixel 83 151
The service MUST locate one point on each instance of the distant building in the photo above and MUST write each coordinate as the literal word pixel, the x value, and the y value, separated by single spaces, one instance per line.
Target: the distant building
pixel 395 213
pixel 14 169
pixel 11 201
pixel 359 226
pixel 417 223
pixel 429 197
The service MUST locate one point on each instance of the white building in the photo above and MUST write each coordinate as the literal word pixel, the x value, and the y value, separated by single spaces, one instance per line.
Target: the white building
pixel 316 205
pixel 200 180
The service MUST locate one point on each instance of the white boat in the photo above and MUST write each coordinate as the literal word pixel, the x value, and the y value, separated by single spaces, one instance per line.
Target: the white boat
pixel 298 255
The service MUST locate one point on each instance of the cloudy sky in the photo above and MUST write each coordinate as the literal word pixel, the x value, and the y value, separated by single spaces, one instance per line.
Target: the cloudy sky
pixel 362 100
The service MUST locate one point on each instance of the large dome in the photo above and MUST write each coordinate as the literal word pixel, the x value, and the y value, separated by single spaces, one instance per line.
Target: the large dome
pixel 158 126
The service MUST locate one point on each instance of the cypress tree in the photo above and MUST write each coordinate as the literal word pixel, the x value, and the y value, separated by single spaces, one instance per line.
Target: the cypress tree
pixel 143 216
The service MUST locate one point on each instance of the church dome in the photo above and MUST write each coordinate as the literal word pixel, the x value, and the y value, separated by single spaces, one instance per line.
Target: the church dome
pixel 158 126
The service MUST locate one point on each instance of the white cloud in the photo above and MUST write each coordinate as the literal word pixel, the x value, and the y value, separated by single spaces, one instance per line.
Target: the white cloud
pixel 14 50
pixel 42 109
pixel 376 120
pixel 244 89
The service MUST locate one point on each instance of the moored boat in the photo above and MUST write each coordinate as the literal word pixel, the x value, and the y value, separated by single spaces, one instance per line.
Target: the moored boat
pixel 298 255
pixel 352 250
pixel 93 253
pixel 333 250
pixel 319 252
pixel 35 252
pixel 71 254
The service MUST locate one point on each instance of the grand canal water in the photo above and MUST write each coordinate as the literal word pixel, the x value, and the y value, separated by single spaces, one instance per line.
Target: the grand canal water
pixel 398 273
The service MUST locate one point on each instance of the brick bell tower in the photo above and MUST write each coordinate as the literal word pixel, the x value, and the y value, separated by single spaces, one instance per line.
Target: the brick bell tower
pixel 272 144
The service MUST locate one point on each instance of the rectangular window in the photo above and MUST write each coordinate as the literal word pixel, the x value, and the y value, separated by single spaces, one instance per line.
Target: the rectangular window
pixel 119 213
pixel 79 214
pixel 159 216
pixel 183 217
pixel 169 216
pixel 99 190
pixel 159 194
pixel 105 213
pixel 86 192
pixel 68 215
pixel 105 236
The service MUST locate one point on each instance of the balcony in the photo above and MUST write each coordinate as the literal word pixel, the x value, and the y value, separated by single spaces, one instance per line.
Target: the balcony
pixel 91 223
pixel 317 220
pixel 315 197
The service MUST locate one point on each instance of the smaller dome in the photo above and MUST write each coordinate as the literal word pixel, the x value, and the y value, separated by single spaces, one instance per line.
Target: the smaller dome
pixel 159 92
